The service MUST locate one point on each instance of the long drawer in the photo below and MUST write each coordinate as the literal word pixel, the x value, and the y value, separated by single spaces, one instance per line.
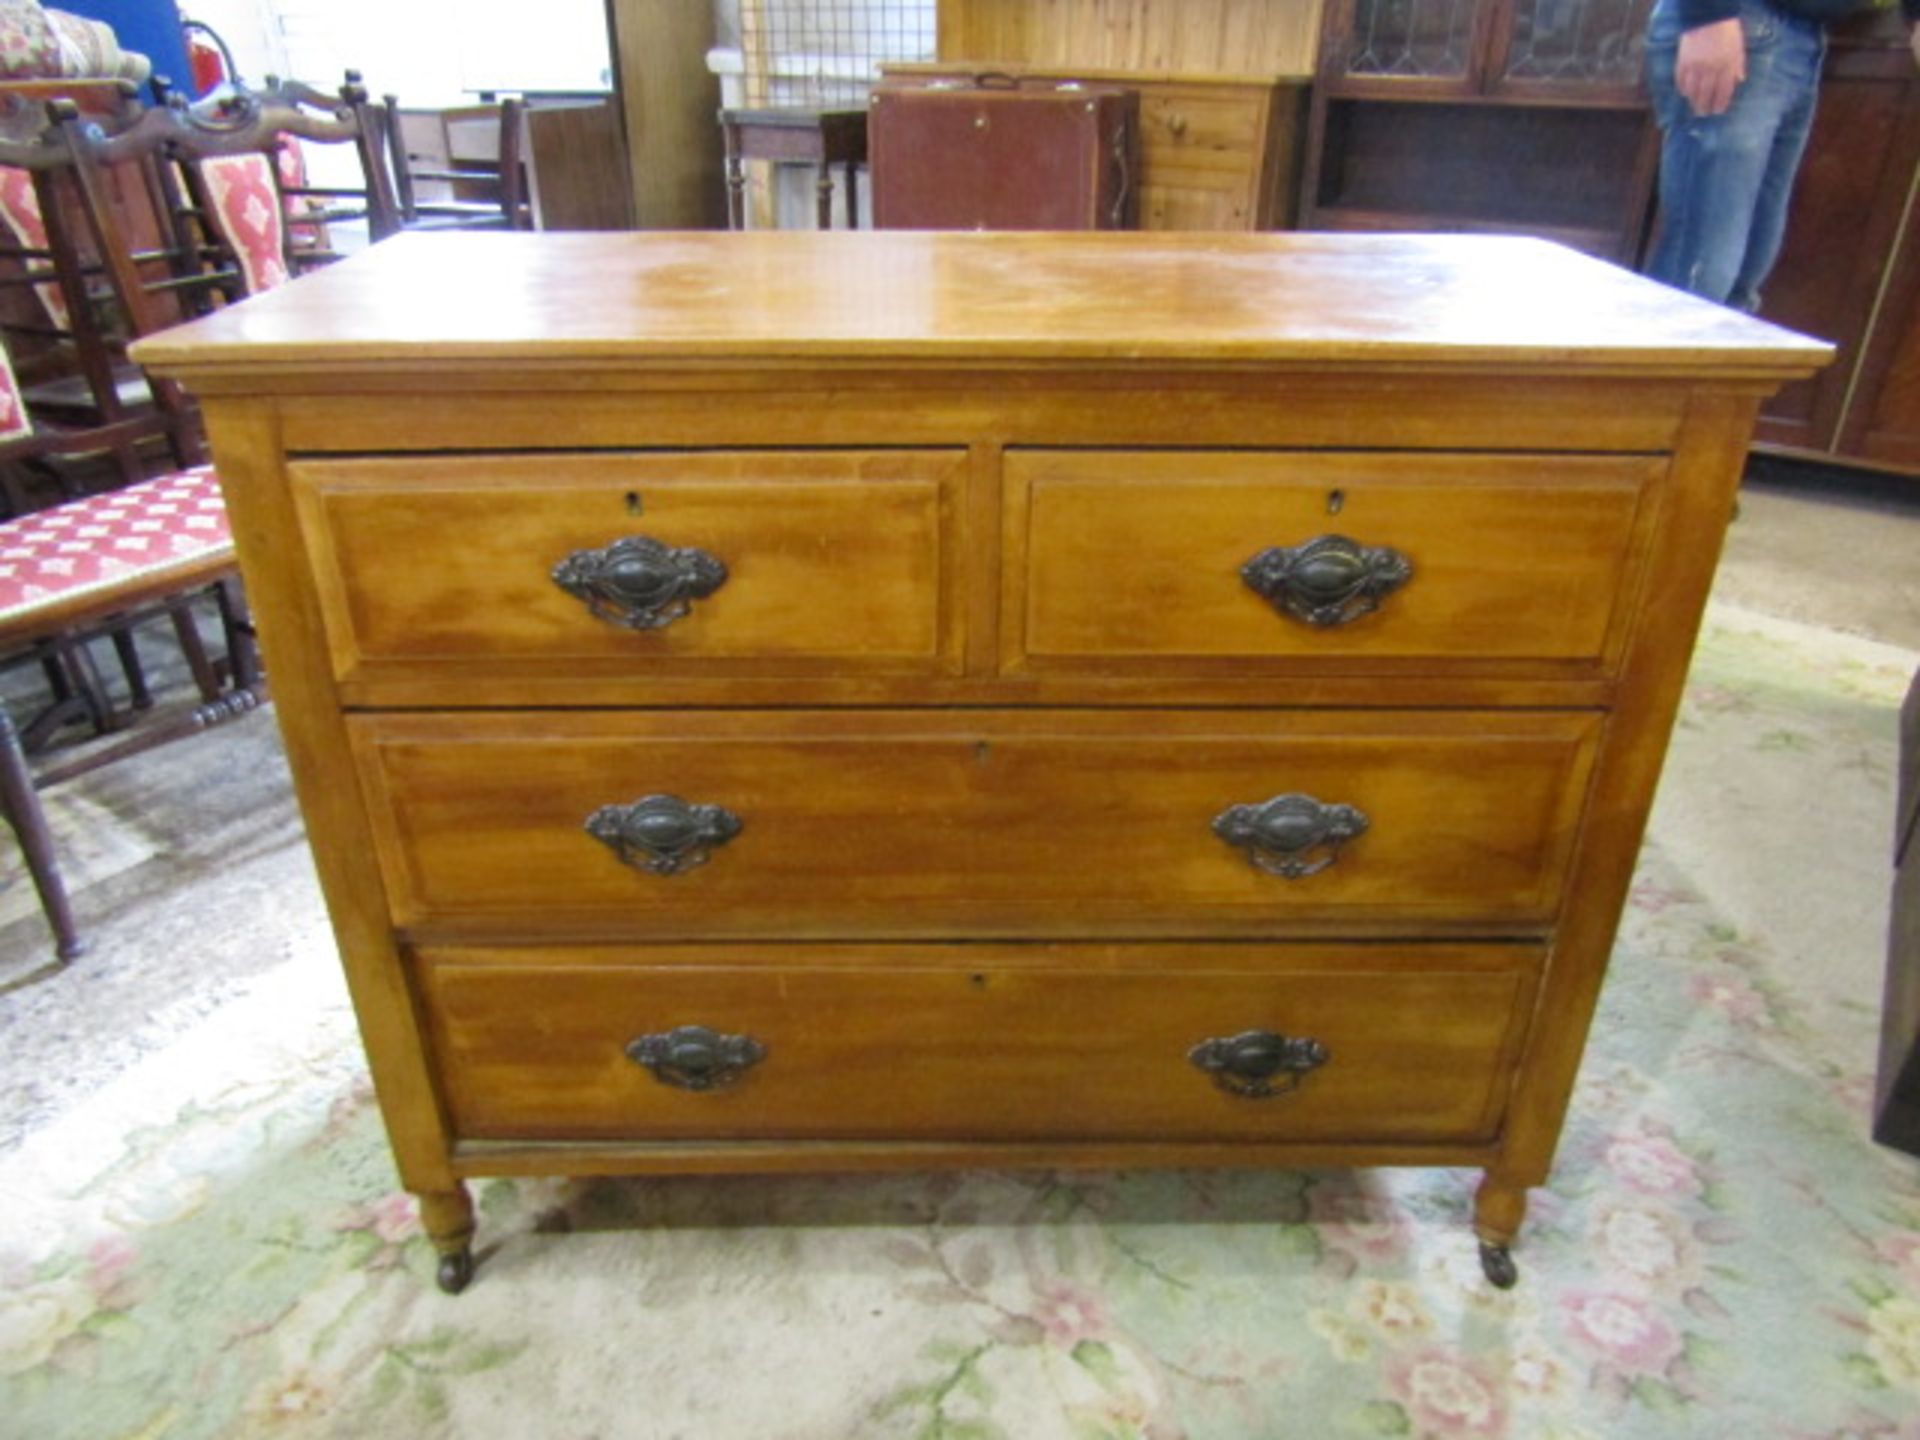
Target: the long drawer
pixel 1017 823
pixel 1228 1042
pixel 1245 562
pixel 617 563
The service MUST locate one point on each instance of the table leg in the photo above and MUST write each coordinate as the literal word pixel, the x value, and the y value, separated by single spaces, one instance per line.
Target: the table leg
pixel 29 821
pixel 447 1217
pixel 823 187
pixel 853 195
pixel 736 185
pixel 1498 1208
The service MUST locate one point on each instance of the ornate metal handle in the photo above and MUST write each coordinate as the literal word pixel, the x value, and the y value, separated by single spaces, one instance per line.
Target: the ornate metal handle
pixel 1330 580
pixel 1282 836
pixel 692 1057
pixel 640 583
pixel 1247 1064
pixel 662 834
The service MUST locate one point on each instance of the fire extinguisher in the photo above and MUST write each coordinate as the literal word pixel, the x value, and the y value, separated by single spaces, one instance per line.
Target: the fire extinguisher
pixel 209 61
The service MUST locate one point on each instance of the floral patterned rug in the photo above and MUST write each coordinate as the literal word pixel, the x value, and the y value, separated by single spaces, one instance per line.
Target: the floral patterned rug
pixel 210 1245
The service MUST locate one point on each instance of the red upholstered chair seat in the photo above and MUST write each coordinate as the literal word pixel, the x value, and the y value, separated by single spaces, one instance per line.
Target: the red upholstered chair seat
pixel 148 538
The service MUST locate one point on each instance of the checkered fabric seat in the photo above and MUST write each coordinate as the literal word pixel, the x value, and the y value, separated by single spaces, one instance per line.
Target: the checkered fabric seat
pixel 112 551
pixel 94 567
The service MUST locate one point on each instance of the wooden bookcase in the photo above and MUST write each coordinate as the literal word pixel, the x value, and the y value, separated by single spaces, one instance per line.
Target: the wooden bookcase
pixel 1514 116
pixel 1850 268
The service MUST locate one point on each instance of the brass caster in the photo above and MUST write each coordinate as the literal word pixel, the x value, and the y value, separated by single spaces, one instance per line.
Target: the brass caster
pixel 1497 1261
pixel 456 1270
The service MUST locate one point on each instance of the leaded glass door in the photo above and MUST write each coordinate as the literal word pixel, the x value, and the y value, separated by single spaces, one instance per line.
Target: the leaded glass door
pixel 1412 41
pixel 1560 47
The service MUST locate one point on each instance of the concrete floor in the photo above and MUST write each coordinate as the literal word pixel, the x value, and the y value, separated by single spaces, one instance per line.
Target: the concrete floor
pixel 1841 550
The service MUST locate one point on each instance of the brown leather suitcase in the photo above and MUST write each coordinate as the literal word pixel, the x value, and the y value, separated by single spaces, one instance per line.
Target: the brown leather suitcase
pixel 994 154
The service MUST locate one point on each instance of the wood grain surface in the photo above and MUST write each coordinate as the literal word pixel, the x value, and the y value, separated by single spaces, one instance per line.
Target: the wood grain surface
pixel 994 1042
pixel 981 678
pixel 1133 558
pixel 527 300
pixel 834 561
pixel 1010 823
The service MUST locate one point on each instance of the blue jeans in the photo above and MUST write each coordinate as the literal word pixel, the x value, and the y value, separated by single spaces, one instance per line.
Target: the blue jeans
pixel 1725 179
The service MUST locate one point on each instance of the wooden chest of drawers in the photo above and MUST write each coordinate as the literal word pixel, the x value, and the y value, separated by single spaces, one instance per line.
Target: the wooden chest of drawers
pixel 824 701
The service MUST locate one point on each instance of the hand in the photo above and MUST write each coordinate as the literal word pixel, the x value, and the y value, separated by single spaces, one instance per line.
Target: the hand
pixel 1711 64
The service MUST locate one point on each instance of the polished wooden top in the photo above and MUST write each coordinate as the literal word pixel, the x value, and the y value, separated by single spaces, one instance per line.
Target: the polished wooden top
pixel 907 298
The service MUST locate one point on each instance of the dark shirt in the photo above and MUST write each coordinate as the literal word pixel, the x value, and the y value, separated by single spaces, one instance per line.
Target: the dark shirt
pixel 1695 13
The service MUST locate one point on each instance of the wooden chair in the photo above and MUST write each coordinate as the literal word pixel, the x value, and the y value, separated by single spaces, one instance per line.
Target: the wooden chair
pixel 105 253
pixel 98 566
pixel 461 168
pixel 180 208
pixel 157 546
pixel 241 155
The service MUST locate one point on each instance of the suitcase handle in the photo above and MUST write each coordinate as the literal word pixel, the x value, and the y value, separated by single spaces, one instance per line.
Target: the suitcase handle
pixel 1123 142
pixel 979 80
pixel 995 80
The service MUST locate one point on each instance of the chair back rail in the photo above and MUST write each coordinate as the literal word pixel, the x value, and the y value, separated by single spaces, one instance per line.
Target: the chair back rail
pixel 472 157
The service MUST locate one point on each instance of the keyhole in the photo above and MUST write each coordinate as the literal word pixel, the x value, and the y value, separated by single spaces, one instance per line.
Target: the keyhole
pixel 979 982
pixel 1335 500
pixel 633 502
pixel 982 751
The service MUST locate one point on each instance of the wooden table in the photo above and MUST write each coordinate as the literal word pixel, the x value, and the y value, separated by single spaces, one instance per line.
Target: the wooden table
pixel 821 138
pixel 986 724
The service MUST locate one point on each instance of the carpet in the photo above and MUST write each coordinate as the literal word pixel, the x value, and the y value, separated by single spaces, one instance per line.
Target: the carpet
pixel 205 1240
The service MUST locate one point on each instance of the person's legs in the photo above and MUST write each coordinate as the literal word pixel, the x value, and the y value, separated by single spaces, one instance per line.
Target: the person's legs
pixel 1725 179
pixel 1792 71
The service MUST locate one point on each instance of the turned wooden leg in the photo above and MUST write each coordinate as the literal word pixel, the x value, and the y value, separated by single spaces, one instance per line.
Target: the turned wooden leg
pixel 139 696
pixel 447 1217
pixel 736 186
pixel 1498 1209
pixel 21 804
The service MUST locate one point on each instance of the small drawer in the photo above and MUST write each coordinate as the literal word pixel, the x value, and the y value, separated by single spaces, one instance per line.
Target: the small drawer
pixel 1196 131
pixel 611 564
pixel 1223 1042
pixel 918 824
pixel 1229 562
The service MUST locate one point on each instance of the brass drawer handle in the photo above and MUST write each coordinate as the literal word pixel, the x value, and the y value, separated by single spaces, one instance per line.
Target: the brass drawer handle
pixel 1259 1064
pixel 640 583
pixel 692 1057
pixel 1291 836
pixel 1330 580
pixel 663 834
